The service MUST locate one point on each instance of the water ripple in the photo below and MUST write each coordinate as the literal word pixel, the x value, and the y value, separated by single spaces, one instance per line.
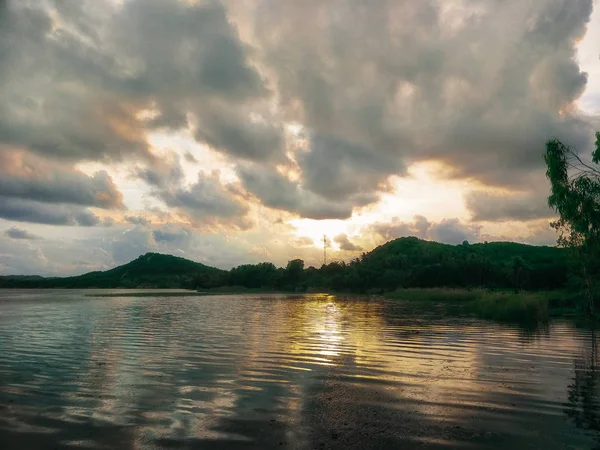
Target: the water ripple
pixel 285 372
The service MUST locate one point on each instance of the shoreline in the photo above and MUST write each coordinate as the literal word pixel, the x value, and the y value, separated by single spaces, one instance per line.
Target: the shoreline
pixel 491 304
pixel 498 305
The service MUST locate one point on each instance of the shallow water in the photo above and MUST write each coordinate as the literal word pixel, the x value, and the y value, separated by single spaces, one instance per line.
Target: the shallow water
pixel 275 371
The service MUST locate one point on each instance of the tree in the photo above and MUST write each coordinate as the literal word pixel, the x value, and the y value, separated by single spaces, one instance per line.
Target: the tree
pixel 575 195
pixel 517 272
pixel 293 272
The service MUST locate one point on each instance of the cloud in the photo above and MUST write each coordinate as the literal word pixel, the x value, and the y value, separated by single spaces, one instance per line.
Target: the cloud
pixel 316 119
pixel 27 177
pixel 132 243
pixel 303 241
pixel 171 234
pixel 240 136
pixel 452 231
pixel 534 232
pixel 398 228
pixel 76 77
pixel 206 200
pixel 276 191
pixel 18 233
pixel 55 93
pixel 165 174
pixel 448 231
pixel 207 84
pixel 373 93
pixel 137 220
pixel 345 244
pixel 489 206
pixel 190 158
pixel 23 258
pixel 480 86
pixel 337 169
pixel 36 212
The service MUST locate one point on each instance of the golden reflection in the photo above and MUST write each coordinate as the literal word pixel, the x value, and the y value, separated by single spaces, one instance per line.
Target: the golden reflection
pixel 184 367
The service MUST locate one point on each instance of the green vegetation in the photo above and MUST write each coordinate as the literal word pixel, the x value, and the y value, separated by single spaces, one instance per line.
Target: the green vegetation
pixel 510 307
pixel 500 280
pixel 151 270
pixel 402 263
pixel 497 280
pixel 436 295
pixel 575 195
pixel 528 307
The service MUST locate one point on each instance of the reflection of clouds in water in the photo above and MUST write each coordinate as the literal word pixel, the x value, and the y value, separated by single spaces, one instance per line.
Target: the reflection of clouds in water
pixel 217 372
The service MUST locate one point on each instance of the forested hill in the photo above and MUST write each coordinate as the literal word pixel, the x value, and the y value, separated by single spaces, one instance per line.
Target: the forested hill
pixel 404 262
pixel 411 262
pixel 152 270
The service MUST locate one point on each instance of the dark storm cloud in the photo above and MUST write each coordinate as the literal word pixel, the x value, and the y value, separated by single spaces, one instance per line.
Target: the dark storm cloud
pixel 171 235
pixel 448 231
pixel 240 136
pixel 191 63
pixel 162 175
pixel 345 244
pixel 53 96
pixel 35 212
pixel 374 85
pixel 338 169
pixel 276 191
pixel 184 49
pixel 206 200
pixel 76 74
pixel 87 218
pixel 31 178
pixel 488 206
pixel 137 220
pixel 18 233
pixel 480 85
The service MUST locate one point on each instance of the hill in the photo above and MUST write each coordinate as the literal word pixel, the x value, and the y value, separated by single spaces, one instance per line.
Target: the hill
pixel 152 270
pixel 401 263
pixel 412 262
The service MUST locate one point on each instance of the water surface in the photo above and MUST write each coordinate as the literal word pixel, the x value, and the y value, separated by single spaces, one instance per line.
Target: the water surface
pixel 273 371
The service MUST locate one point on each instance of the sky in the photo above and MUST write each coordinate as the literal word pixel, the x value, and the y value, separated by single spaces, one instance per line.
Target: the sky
pixel 239 131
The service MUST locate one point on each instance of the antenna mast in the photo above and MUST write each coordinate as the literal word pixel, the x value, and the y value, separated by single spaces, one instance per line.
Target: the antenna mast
pixel 324 249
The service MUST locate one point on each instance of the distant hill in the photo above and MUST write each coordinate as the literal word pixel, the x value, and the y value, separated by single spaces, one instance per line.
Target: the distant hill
pixel 23 277
pixel 403 262
pixel 152 270
pixel 412 262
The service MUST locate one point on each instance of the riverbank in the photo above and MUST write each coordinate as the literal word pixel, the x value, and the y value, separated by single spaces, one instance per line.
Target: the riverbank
pixel 506 306
pixel 224 290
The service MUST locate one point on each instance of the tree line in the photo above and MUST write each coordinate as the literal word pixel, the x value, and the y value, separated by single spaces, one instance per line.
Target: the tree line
pixel 408 263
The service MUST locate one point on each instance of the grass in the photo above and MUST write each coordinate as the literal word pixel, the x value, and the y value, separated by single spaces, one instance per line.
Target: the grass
pixel 524 307
pixel 435 295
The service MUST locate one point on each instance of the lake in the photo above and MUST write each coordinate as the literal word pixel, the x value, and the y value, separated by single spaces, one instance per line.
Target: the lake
pixel 291 372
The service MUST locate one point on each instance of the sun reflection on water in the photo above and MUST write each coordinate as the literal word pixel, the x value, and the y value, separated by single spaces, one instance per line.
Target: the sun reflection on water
pixel 221 370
